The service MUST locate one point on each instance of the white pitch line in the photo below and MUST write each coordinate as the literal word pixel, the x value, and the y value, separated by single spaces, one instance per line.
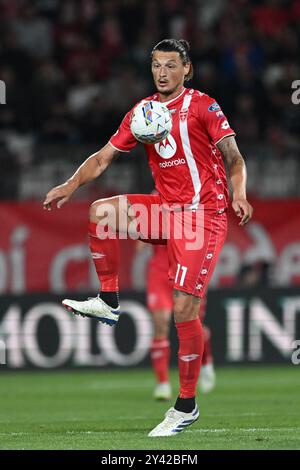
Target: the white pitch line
pixel 203 431
pixel 220 415
pixel 244 430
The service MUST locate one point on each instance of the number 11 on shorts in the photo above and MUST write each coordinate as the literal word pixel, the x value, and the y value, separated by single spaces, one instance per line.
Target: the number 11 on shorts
pixel 184 270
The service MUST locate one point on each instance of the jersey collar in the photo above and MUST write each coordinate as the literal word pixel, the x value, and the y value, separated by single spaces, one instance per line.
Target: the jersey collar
pixel 167 103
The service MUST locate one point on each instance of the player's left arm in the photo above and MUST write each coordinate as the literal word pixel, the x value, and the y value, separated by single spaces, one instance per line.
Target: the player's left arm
pixel 238 176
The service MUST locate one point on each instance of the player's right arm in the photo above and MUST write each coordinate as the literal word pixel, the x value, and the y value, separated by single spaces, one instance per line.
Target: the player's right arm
pixel 93 167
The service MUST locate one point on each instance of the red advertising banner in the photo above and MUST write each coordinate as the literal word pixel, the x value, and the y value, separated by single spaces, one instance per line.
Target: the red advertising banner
pixel 43 251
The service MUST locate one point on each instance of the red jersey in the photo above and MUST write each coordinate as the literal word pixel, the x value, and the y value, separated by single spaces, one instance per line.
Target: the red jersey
pixel 187 166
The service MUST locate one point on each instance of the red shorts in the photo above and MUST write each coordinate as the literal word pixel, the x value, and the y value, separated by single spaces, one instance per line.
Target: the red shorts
pixel 194 240
pixel 159 289
pixel 160 292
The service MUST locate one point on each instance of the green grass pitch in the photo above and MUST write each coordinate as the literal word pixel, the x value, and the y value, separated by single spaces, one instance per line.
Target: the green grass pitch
pixel 251 408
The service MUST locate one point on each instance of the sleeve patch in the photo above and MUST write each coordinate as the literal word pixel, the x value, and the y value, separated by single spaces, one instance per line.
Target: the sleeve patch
pixel 213 107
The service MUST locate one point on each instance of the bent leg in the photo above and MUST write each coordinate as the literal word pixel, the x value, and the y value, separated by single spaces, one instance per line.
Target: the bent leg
pixel 111 212
pixel 107 218
pixel 110 218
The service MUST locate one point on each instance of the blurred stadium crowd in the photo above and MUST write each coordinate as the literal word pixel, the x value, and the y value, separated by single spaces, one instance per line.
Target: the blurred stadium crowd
pixel 72 69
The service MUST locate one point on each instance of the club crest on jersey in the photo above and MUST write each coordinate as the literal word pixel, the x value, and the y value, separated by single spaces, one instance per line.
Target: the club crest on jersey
pixel 183 114
pixel 213 107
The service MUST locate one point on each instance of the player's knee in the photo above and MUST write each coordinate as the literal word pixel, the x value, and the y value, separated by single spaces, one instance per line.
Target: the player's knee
pixel 102 209
pixel 161 323
pixel 161 331
pixel 182 314
pixel 93 210
pixel 186 308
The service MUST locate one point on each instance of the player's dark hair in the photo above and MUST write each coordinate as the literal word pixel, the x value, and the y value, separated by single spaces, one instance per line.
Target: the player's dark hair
pixel 177 45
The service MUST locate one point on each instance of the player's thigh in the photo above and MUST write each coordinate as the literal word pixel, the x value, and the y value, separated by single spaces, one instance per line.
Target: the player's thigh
pixel 124 213
pixel 111 212
pixel 145 211
pixel 192 263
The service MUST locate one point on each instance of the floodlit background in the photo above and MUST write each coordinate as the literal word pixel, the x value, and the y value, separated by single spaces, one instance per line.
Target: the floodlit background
pixel 71 70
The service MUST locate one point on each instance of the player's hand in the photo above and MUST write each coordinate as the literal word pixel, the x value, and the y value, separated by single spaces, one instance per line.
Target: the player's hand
pixel 60 194
pixel 243 210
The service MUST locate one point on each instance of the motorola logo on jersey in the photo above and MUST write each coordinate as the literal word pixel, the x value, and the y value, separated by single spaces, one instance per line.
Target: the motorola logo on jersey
pixel 178 161
pixel 166 148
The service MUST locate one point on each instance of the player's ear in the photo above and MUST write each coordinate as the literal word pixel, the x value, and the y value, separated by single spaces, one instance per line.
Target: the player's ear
pixel 190 74
pixel 189 71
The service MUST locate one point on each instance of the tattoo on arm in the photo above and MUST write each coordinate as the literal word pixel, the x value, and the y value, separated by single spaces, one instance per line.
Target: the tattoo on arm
pixel 230 151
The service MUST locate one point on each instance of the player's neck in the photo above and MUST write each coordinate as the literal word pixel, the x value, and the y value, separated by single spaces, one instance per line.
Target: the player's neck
pixel 172 96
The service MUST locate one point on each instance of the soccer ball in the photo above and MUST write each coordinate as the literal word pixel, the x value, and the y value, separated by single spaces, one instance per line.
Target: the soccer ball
pixel 151 122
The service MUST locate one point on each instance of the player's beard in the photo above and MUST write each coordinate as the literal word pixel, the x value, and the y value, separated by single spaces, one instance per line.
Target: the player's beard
pixel 169 91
